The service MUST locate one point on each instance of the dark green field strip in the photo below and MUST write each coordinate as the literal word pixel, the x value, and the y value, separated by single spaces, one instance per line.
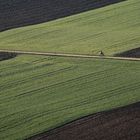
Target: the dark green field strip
pixel 18 66
pixel 40 93
pixel 44 74
pixel 65 84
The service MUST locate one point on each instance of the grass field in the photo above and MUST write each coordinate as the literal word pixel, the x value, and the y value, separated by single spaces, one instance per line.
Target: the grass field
pixel 112 29
pixel 39 93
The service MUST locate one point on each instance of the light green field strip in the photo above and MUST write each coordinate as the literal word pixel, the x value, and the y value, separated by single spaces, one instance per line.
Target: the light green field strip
pixel 40 93
pixel 112 29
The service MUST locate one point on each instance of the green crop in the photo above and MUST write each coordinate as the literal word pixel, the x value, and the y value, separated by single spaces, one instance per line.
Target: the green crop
pixel 112 29
pixel 40 93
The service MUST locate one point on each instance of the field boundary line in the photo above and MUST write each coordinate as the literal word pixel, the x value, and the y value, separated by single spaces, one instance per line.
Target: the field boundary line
pixel 69 55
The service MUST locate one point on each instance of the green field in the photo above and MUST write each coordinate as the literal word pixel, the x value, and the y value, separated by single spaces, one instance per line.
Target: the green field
pixel 39 93
pixel 112 29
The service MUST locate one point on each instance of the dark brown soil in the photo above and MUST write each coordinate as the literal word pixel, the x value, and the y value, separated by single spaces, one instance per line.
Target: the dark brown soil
pixel 6 55
pixel 17 13
pixel 118 124
pixel 130 53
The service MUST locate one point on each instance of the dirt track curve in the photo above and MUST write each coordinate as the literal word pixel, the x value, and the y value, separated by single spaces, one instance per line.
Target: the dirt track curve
pixel 117 124
pixel 69 55
pixel 17 13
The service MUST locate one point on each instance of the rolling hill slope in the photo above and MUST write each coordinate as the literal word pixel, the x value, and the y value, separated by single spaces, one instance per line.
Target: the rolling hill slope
pixel 17 13
pixel 112 29
pixel 108 125
pixel 40 93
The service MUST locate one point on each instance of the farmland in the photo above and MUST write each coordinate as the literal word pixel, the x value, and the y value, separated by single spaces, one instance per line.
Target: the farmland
pixel 112 29
pixel 39 93
pixel 55 84
pixel 18 13
pixel 113 125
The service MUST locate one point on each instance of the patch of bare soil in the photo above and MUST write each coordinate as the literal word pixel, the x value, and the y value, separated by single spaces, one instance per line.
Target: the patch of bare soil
pixel 118 124
pixel 17 13
pixel 135 53
pixel 6 55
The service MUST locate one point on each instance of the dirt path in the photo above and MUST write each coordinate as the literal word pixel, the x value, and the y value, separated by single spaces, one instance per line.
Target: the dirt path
pixel 70 55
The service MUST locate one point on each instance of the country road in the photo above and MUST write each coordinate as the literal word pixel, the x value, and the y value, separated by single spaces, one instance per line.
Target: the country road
pixel 70 55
